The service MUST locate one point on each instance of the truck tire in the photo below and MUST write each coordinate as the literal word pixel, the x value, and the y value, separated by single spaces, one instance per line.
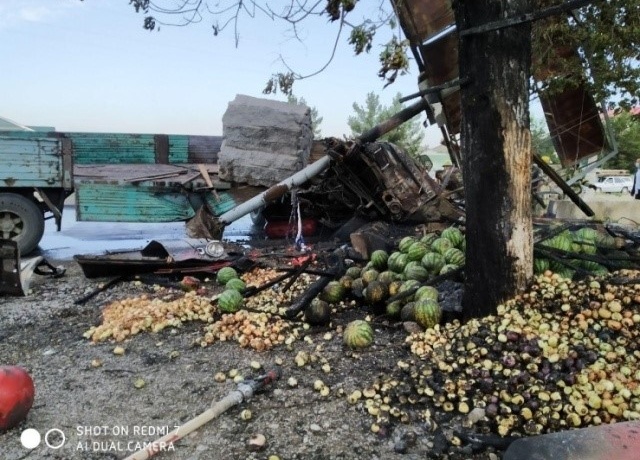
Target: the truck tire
pixel 21 220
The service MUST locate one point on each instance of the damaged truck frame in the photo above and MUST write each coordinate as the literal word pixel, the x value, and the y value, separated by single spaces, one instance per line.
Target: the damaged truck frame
pixel 161 178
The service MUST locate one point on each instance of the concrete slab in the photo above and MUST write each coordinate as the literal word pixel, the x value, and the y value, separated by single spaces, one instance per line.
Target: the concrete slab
pixel 618 441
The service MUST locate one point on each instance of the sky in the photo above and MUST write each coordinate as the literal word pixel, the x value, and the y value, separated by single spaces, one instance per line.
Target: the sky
pixel 90 66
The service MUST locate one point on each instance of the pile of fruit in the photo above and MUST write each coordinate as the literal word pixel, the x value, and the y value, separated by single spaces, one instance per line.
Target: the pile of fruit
pixel 579 250
pixel 409 268
pixel 565 354
pixel 260 328
pixel 127 317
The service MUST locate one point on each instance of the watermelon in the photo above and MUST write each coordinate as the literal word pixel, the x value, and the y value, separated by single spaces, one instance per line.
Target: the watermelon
pixel 415 271
pixel 332 292
pixel 560 242
pixel 379 259
pixel 387 277
pixel 604 240
pixel 585 235
pixel 593 267
pixel 576 247
pixel 393 309
pixel 398 263
pixel 225 274
pixel 428 313
pixel 357 287
pixel 346 282
pixel 405 243
pixel 369 275
pixel 230 301
pixel 589 248
pixel 454 256
pixel 566 273
pixel 454 235
pixel 375 293
pixel 358 334
pixel 318 312
pixel 540 265
pixel 426 292
pixel 433 262
pixel 237 284
pixel 441 245
pixel 408 312
pixel 416 251
pixel 428 239
pixel 394 287
pixel 407 285
pixel 353 272
pixel 448 268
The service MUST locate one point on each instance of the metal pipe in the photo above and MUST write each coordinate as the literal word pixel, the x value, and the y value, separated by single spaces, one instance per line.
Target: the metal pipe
pixel 276 191
pixel 553 175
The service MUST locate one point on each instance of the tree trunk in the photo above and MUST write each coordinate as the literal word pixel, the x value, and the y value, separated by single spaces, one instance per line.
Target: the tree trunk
pixel 496 153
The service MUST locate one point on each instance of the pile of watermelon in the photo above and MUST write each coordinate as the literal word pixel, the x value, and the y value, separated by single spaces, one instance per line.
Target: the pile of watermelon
pixel 586 241
pixel 416 260
pixel 231 299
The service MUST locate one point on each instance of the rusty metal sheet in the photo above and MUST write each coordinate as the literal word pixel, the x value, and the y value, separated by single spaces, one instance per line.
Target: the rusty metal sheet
pixel 422 19
pixel 574 124
pixel 194 254
pixel 572 116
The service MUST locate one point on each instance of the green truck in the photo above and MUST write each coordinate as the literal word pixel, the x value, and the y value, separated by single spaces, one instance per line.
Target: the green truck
pixel 115 178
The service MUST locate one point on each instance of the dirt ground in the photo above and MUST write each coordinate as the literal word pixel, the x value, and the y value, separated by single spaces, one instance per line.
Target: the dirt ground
pixel 102 414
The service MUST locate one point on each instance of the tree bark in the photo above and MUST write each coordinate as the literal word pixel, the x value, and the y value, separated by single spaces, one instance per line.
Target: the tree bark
pixel 496 153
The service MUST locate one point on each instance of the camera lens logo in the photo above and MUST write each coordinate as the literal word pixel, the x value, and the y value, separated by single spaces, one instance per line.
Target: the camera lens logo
pixel 54 438
pixel 30 438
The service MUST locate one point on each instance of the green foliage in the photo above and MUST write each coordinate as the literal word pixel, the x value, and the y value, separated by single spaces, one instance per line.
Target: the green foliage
pixel 626 129
pixel 394 59
pixel 361 38
pixel 408 136
pixel 316 119
pixel 606 35
pixel 540 141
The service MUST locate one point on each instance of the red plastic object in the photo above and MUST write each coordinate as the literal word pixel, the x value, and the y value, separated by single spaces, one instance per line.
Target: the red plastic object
pixel 282 228
pixel 16 395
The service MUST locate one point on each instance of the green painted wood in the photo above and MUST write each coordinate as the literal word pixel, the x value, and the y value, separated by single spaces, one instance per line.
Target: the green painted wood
pixel 109 148
pixel 221 205
pixel 30 162
pixel 128 203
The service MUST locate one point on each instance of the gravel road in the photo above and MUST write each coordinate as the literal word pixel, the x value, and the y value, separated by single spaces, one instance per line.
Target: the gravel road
pixel 88 406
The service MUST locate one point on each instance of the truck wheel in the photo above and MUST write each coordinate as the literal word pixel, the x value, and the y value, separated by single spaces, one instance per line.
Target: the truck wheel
pixel 20 220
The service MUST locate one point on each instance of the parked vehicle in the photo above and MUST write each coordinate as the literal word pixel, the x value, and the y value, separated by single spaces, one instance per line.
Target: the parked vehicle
pixel 614 184
pixel 115 178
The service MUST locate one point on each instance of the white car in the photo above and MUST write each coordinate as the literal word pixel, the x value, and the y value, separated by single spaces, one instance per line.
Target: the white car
pixel 614 184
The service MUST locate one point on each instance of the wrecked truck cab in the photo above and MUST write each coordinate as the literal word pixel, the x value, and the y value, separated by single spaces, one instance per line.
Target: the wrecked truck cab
pixel 376 181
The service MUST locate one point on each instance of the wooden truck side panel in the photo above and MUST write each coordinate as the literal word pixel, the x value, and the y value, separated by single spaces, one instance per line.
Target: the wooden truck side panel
pixel 31 163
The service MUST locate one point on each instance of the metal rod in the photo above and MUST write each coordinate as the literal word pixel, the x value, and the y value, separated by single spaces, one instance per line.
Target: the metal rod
pixel 528 17
pixel 553 175
pixel 435 89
